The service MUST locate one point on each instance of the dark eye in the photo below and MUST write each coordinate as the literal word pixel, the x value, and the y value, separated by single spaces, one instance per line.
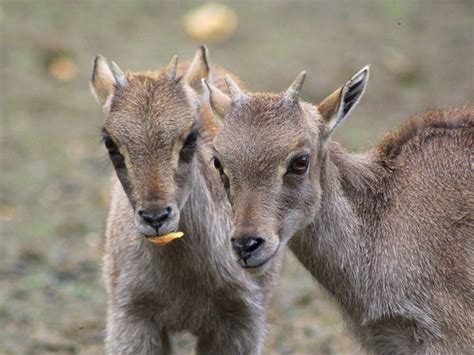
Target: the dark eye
pixel 189 146
pixel 115 156
pixel 299 165
pixel 110 145
pixel 191 140
pixel 217 164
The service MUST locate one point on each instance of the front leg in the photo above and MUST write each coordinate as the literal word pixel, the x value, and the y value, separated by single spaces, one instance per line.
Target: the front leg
pixel 129 332
pixel 232 340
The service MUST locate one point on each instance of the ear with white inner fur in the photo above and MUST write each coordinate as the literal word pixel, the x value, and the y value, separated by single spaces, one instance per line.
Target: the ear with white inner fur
pixel 199 69
pixel 104 80
pixel 219 101
pixel 341 102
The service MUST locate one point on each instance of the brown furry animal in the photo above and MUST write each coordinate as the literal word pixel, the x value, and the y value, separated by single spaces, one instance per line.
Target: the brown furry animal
pixel 389 233
pixel 158 134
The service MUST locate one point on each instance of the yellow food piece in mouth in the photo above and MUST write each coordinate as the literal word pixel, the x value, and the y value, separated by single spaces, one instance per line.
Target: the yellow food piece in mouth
pixel 165 239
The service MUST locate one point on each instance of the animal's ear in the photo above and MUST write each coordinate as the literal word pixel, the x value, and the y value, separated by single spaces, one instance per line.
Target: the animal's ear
pixel 172 67
pixel 199 69
pixel 340 103
pixel 219 101
pixel 104 80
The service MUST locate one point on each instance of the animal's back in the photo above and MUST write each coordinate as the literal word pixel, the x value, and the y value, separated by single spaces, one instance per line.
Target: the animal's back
pixel 422 226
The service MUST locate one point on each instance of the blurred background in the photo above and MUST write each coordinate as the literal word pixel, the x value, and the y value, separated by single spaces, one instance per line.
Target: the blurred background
pixel 54 172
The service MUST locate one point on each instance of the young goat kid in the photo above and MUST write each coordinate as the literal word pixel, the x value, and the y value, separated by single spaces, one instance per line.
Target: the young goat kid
pixel 158 135
pixel 389 233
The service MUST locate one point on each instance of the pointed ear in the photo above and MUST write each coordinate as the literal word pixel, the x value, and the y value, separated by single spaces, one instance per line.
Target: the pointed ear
pixel 341 102
pixel 219 101
pixel 199 69
pixel 172 67
pixel 104 80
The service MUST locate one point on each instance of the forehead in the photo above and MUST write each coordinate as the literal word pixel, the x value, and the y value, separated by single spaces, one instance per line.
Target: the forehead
pixel 262 131
pixel 151 107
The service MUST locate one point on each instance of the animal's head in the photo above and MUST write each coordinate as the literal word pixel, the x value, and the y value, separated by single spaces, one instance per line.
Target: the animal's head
pixel 151 132
pixel 269 154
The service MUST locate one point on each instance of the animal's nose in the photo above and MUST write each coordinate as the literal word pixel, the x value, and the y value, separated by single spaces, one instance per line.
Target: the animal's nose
pixel 246 246
pixel 155 218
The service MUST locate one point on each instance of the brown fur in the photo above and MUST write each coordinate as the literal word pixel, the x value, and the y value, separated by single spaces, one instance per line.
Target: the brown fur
pixel 191 284
pixel 391 145
pixel 388 233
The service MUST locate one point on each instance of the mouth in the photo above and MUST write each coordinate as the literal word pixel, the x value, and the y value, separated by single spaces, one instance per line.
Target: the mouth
pixel 164 239
pixel 246 265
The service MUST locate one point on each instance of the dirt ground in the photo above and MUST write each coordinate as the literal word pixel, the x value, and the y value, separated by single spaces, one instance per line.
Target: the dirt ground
pixel 54 172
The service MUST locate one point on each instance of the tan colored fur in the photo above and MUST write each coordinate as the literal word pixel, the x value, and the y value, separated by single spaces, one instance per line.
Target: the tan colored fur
pixel 191 284
pixel 388 233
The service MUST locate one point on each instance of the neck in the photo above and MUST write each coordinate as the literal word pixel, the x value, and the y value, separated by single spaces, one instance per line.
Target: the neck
pixel 206 215
pixel 333 248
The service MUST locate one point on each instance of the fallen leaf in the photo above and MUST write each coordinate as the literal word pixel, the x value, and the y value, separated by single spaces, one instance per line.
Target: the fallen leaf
pixel 211 22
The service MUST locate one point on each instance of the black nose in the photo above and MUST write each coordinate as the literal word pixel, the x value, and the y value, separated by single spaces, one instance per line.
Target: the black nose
pixel 155 218
pixel 246 246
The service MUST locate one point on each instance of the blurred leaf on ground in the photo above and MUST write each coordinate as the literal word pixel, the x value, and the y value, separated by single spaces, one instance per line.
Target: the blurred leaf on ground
pixel 61 67
pixel 211 22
